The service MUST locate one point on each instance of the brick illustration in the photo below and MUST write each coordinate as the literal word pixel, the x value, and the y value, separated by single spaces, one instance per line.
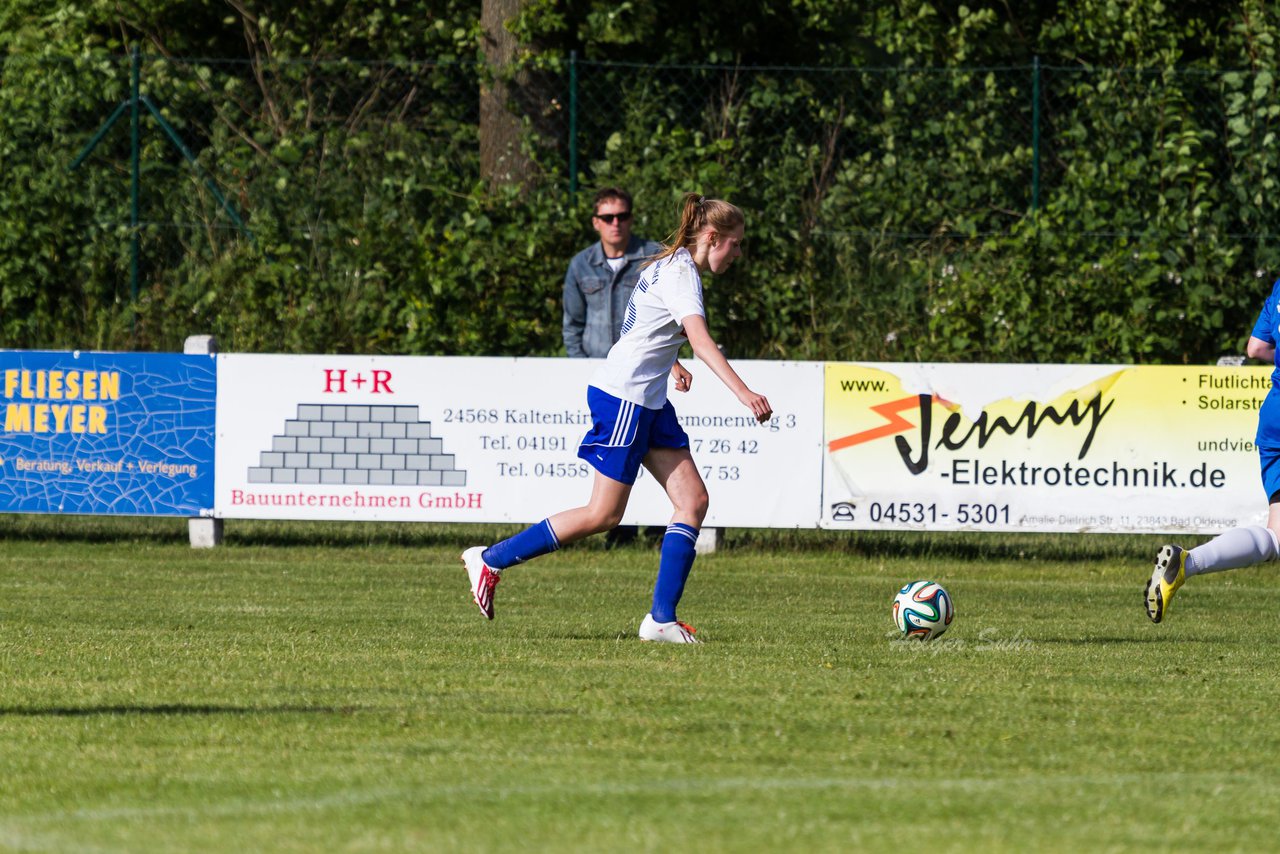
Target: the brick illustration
pixel 358 445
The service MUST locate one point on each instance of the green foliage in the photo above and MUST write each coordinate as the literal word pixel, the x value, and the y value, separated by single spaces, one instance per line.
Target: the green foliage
pixel 901 204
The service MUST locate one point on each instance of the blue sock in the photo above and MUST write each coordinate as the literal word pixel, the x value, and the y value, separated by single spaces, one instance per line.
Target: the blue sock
pixel 534 541
pixel 673 570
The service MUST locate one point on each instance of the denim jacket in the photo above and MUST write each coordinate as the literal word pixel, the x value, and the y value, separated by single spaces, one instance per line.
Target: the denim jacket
pixel 595 297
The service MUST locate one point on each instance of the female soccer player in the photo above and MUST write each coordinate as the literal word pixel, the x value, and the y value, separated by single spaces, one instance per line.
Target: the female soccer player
pixel 633 423
pixel 1240 546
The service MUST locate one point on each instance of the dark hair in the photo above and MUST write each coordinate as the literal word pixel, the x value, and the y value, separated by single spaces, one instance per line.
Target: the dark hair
pixel 607 193
pixel 698 213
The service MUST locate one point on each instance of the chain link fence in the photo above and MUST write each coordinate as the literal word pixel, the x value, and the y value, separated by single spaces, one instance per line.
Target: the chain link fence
pixel 1000 139
pixel 335 165
pixel 233 150
pixel 974 149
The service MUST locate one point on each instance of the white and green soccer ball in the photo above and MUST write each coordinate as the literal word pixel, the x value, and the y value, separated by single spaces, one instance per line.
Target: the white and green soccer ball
pixel 922 610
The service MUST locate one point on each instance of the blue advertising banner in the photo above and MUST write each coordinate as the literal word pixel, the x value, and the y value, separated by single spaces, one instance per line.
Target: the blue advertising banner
pixel 106 433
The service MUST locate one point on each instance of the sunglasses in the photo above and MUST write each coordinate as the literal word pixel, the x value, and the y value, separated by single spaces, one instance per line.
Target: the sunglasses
pixel 608 219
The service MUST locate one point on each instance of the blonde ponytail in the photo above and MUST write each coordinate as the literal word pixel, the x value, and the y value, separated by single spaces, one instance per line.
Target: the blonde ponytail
pixel 697 213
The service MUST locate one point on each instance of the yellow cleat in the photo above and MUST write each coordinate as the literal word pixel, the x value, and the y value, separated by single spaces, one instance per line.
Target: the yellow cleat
pixel 1166 578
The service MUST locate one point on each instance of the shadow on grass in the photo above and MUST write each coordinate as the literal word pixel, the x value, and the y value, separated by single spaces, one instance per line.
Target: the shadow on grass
pixel 592 636
pixel 962 545
pixel 1156 636
pixel 248 532
pixel 1117 640
pixel 171 709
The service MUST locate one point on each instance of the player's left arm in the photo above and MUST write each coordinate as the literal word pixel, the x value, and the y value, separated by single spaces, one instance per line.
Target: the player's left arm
pixel 695 327
pixel 682 377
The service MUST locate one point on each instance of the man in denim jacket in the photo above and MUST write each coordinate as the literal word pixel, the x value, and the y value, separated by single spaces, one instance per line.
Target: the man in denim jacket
pixel 598 287
pixel 601 277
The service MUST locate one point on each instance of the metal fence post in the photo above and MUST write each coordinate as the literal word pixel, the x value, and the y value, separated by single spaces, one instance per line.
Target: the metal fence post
pixel 573 125
pixel 134 105
pixel 195 164
pixel 135 155
pixel 1035 134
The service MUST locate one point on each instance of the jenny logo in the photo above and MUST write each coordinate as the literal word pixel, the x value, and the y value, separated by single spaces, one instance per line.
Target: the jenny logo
pixel 954 435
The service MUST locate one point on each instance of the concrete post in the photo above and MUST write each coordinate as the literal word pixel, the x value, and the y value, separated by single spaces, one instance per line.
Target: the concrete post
pixel 707 541
pixel 203 533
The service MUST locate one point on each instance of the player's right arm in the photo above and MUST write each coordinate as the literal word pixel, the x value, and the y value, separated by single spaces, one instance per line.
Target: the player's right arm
pixel 695 327
pixel 1262 339
pixel 1264 351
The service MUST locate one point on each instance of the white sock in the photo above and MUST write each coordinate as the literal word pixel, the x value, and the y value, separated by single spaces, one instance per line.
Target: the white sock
pixel 1233 549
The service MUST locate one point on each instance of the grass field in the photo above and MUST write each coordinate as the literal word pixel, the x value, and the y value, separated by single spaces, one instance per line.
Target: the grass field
pixel 331 688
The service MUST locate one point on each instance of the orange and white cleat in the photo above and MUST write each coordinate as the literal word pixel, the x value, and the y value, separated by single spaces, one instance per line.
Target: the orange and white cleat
pixel 672 632
pixel 483 579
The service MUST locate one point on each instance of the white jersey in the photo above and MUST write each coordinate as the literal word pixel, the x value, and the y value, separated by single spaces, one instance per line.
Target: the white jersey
pixel 637 367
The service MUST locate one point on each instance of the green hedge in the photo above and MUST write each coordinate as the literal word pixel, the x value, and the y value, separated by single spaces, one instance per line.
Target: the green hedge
pixel 1087 182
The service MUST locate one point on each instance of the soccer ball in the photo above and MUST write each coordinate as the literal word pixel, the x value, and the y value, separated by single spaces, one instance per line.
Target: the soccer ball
pixel 923 610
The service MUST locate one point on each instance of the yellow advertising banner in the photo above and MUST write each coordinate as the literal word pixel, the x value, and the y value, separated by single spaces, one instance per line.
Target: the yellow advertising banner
pixel 1042 447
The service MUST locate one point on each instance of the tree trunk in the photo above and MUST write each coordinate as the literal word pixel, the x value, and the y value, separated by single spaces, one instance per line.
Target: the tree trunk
pixel 502 160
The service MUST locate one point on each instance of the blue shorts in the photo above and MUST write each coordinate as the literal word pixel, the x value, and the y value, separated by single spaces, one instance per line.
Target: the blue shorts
pixel 622 433
pixel 1268 442
pixel 1270 459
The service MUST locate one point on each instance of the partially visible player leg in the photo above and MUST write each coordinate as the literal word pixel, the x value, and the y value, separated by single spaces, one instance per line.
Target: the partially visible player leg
pixel 616 464
pixel 1236 548
pixel 602 512
pixel 675 471
pixel 1233 549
